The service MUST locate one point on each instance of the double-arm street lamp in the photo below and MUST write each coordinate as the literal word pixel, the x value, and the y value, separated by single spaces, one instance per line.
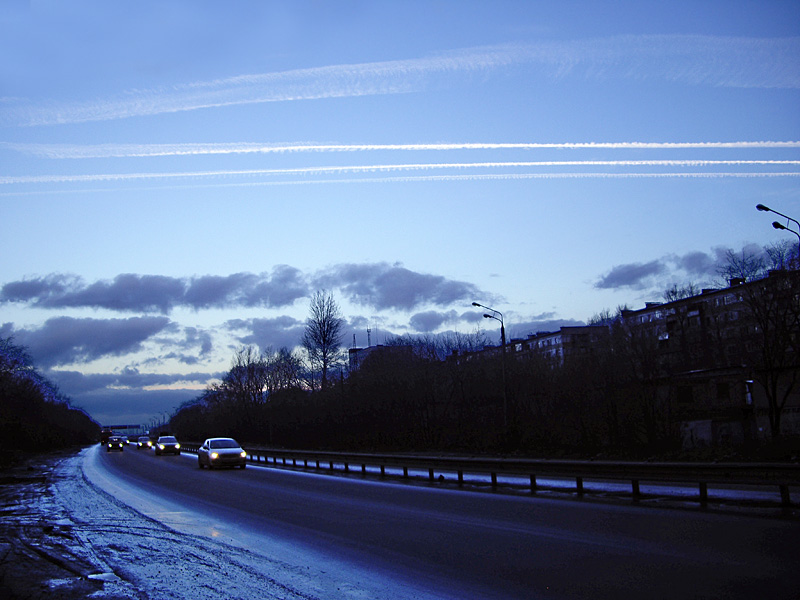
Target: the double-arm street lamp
pixel 498 316
pixel 786 227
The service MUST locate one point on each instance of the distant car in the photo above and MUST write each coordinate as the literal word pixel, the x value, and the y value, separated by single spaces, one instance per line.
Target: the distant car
pixel 167 444
pixel 115 443
pixel 221 452
pixel 143 442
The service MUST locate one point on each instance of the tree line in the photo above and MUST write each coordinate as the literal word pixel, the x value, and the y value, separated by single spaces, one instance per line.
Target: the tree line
pixel 419 393
pixel 34 415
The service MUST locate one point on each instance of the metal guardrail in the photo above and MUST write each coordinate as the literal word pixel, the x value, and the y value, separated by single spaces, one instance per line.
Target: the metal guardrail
pixel 780 475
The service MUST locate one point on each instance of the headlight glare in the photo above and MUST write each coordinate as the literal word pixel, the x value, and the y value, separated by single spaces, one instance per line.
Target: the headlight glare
pixel 177 446
pixel 161 446
pixel 214 456
pixel 243 454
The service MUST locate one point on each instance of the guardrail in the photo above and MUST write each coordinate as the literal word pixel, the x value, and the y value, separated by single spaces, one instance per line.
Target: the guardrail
pixel 780 475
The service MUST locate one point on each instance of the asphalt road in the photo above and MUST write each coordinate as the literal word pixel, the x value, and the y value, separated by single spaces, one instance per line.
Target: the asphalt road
pixel 483 545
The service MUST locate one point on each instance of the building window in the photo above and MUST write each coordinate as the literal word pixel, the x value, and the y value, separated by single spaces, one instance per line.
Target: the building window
pixel 685 395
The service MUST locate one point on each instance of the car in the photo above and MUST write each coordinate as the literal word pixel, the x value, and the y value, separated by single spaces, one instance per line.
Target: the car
pixel 167 444
pixel 221 452
pixel 115 442
pixel 143 442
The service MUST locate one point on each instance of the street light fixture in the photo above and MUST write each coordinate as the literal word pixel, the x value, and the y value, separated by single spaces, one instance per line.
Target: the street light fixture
pixel 498 316
pixel 777 225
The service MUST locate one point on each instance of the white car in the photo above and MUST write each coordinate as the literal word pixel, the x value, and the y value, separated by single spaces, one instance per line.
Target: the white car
pixel 221 452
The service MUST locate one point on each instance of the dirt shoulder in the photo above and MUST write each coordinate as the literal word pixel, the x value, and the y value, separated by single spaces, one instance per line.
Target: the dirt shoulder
pixel 40 556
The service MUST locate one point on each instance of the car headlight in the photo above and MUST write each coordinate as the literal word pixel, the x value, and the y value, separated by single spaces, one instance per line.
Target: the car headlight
pixel 177 446
pixel 243 454
pixel 161 446
pixel 214 456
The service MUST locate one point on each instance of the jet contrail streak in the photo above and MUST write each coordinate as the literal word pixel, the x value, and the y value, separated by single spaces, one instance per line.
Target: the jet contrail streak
pixel 388 167
pixel 145 150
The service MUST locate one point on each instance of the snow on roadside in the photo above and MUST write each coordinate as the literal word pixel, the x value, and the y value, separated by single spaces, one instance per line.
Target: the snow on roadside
pixel 143 550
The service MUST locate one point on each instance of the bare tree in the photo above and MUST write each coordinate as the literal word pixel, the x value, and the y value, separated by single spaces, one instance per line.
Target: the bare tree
pixel 677 292
pixel 746 265
pixel 781 255
pixel 322 338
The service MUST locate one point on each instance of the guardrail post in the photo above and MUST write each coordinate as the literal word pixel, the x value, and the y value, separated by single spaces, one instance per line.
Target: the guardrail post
pixel 461 478
pixel 494 480
pixel 703 492
pixel 579 485
pixel 346 467
pixel 363 469
pixel 430 474
pixel 383 471
pixel 405 472
pixel 533 484
pixel 635 486
pixel 786 499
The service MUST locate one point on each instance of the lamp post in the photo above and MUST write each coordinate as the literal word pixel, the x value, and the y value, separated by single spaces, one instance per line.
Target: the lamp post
pixel 498 316
pixel 777 225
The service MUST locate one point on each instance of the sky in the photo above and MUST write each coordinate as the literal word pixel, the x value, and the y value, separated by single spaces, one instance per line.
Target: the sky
pixel 178 178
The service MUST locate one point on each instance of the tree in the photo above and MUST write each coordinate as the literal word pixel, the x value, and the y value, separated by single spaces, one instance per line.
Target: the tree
pixel 322 338
pixel 773 314
pixel 746 266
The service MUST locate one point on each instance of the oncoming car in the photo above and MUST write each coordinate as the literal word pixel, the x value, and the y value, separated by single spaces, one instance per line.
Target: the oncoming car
pixel 221 452
pixel 167 444
pixel 114 443
pixel 143 442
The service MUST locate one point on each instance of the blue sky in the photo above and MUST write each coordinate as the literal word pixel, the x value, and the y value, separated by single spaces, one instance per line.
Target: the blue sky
pixel 177 179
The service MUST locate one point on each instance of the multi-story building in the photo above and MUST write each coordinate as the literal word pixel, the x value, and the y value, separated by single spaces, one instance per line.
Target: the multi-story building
pixel 726 361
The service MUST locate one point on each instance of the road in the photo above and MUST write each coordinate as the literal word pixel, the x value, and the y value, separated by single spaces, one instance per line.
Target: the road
pixel 482 545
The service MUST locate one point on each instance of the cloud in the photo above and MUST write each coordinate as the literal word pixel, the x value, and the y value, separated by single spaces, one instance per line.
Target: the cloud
pixel 155 293
pixel 386 286
pixel 267 333
pixel 66 340
pixel 76 383
pixel 431 320
pixel 379 285
pixel 131 406
pixel 684 59
pixel 696 267
pixel 632 275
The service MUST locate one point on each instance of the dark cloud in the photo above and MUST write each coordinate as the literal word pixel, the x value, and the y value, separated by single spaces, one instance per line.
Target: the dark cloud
pixel 386 286
pixel 431 320
pixel 38 290
pixel 65 340
pixel 156 293
pixel 132 406
pixel 213 291
pixel 75 383
pixel 697 263
pixel 267 333
pixel 380 285
pixel 633 275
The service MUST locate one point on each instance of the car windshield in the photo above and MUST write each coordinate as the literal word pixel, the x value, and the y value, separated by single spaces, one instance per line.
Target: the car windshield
pixel 168 440
pixel 223 444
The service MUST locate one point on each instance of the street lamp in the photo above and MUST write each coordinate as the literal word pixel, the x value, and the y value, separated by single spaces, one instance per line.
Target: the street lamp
pixel 777 225
pixel 498 316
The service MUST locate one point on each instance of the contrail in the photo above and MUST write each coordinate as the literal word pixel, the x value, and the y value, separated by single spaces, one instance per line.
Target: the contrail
pixel 64 151
pixel 385 168
pixel 444 178
pixel 694 60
